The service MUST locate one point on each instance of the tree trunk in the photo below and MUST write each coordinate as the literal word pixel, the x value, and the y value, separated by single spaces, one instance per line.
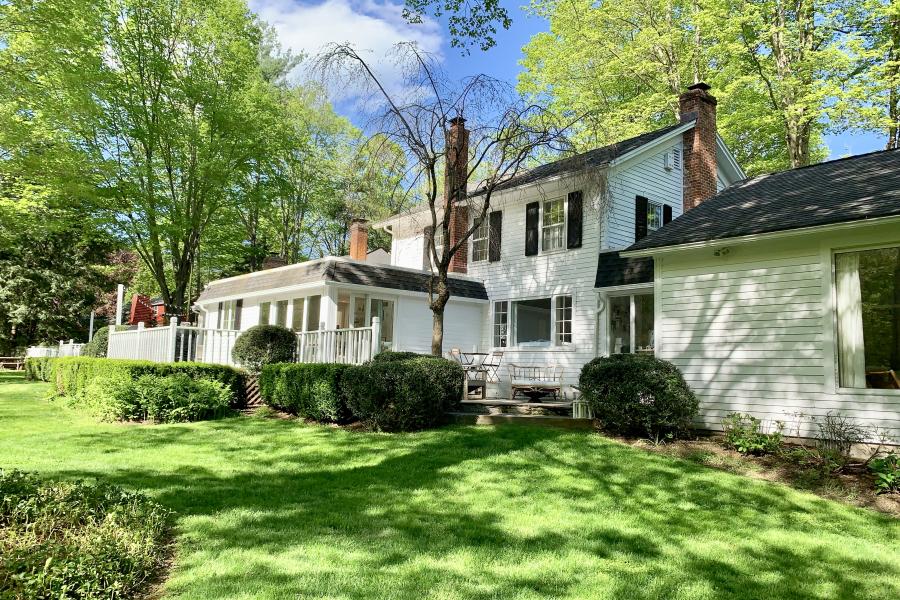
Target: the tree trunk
pixel 438 303
pixel 893 72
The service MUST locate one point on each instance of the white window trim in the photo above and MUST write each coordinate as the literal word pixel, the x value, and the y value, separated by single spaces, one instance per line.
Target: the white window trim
pixel 565 227
pixel 629 293
pixel 487 239
pixel 651 205
pixel 511 325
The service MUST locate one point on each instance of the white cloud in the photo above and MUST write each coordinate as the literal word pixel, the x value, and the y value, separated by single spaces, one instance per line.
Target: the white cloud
pixel 373 27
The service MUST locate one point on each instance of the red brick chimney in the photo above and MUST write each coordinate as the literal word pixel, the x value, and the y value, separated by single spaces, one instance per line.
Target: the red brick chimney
pixel 141 312
pixel 359 239
pixel 699 165
pixel 455 178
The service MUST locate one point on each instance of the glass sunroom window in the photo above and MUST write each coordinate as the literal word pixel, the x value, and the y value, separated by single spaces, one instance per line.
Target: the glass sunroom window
pixel 631 324
pixel 868 318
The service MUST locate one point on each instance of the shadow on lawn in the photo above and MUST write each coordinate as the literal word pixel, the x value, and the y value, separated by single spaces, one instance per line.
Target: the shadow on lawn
pixel 550 514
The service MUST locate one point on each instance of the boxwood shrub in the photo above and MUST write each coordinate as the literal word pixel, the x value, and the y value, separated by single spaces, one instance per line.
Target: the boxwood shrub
pixel 638 395
pixel 392 356
pixel 99 344
pixel 311 391
pixel 403 395
pixel 37 368
pixel 77 540
pixel 262 345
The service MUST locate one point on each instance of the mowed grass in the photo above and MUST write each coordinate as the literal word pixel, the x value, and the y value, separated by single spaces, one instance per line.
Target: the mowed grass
pixel 278 509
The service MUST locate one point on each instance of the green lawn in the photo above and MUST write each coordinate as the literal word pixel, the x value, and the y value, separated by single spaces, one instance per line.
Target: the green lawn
pixel 278 509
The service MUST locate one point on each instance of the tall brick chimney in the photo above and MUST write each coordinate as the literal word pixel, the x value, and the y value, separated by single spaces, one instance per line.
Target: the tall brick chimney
pixel 699 165
pixel 359 239
pixel 455 178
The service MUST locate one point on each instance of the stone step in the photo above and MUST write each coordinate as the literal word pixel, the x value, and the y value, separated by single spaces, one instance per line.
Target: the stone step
pixel 511 407
pixel 462 418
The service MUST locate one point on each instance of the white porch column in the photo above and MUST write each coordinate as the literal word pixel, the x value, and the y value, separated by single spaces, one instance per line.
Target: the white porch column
pixel 376 336
pixel 173 339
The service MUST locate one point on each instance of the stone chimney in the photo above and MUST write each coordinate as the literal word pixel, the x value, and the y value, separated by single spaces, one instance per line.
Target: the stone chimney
pixel 699 165
pixel 359 239
pixel 273 261
pixel 455 178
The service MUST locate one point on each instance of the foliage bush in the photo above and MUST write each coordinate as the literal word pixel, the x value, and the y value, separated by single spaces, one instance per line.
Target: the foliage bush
pixel 262 345
pixel 37 368
pixel 391 356
pixel 71 374
pixel 638 395
pixel 99 344
pixel 744 433
pixel 403 395
pixel 312 391
pixel 77 540
pixel 887 473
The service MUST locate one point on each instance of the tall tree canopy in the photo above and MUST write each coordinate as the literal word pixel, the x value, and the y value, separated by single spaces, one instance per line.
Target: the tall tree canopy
pixel 782 70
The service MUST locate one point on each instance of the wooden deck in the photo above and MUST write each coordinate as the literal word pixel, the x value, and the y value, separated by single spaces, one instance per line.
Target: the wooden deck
pixel 493 411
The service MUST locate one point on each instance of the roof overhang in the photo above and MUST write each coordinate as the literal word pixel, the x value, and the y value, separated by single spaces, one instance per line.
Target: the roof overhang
pixel 762 237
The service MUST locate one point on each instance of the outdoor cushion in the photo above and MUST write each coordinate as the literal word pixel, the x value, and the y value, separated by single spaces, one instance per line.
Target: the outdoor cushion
pixel 535 383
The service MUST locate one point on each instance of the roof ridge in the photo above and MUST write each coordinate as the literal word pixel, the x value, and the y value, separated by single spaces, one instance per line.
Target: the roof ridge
pixel 819 164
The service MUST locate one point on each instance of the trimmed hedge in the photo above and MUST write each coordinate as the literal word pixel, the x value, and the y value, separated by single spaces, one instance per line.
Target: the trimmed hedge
pixel 391 356
pixel 77 540
pixel 403 395
pixel 638 395
pixel 37 368
pixel 262 345
pixel 72 374
pixel 311 391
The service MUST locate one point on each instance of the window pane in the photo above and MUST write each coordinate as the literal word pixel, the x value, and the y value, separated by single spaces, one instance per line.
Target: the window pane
pixel 620 324
pixel 644 335
pixel 264 310
pixel 297 316
pixel 868 314
pixel 281 313
pixel 564 319
pixel 384 310
pixel 533 322
pixel 343 310
pixel 312 312
pixel 359 311
pixel 501 324
pixel 654 216
pixel 553 225
pixel 480 241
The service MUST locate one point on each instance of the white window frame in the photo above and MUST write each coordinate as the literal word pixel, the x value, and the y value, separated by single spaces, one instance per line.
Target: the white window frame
pixel 481 235
pixel 259 310
pixel 654 215
pixel 564 225
pixel 512 316
pixel 557 310
pixel 229 314
pixel 496 335
pixel 632 318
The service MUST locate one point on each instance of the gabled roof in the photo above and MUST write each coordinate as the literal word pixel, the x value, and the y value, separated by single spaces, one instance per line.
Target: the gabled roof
pixel 615 270
pixel 337 270
pixel 839 191
pixel 598 157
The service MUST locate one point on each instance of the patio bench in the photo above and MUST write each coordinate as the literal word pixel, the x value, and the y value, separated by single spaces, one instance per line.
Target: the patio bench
pixel 534 381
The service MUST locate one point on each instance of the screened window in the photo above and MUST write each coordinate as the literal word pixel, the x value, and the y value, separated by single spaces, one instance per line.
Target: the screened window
pixel 313 304
pixel 343 310
pixel 384 310
pixel 553 225
pixel 297 314
pixel 480 241
pixel 501 324
pixel 868 318
pixel 654 216
pixel 533 319
pixel 228 317
pixel 281 308
pixel 563 319
pixel 265 310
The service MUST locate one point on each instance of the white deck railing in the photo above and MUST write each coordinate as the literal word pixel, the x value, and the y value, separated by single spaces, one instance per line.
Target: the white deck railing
pixel 177 343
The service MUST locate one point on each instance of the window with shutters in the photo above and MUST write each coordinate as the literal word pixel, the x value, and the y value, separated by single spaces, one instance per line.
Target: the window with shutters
pixel 654 216
pixel 553 225
pixel 480 240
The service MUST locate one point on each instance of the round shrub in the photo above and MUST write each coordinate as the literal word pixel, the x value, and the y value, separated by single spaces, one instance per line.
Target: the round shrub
pixel 638 395
pixel 97 347
pixel 403 395
pixel 262 345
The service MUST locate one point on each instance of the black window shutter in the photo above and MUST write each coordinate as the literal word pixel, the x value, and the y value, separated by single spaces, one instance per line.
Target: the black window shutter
pixel 641 205
pixel 667 214
pixel 532 220
pixel 496 226
pixel 426 252
pixel 219 315
pixel 573 235
pixel 238 306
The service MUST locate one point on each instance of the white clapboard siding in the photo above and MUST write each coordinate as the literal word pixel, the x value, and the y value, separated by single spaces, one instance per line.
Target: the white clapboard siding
pixel 749 335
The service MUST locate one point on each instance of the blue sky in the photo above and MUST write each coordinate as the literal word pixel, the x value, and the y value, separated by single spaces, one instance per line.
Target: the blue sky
pixel 376 25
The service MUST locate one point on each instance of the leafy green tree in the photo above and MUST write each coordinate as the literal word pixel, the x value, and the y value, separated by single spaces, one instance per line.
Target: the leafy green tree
pixel 468 22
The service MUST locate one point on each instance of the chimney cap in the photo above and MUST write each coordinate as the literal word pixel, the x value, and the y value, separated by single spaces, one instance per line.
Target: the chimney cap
pixel 457 120
pixel 359 220
pixel 700 85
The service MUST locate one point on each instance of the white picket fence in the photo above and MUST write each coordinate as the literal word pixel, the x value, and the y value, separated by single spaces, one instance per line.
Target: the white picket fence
pixel 64 348
pixel 177 343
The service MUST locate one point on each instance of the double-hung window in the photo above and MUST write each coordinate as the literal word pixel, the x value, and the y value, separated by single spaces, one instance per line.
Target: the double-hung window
pixel 867 284
pixel 563 320
pixel 228 314
pixel 553 225
pixel 501 324
pixel 480 239
pixel 265 310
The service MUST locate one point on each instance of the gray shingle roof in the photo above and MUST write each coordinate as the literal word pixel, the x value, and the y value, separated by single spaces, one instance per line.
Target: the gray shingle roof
pixel 338 271
pixel 613 269
pixel 598 157
pixel 848 189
